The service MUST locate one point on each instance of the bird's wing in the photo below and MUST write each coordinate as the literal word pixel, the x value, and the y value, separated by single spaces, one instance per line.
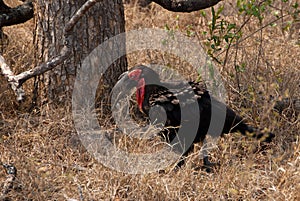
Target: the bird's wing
pixel 191 98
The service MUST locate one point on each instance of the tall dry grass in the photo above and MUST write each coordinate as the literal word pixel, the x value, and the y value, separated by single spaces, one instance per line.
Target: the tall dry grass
pixel 52 165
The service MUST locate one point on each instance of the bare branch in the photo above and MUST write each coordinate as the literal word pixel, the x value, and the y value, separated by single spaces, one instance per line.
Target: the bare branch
pixel 44 67
pixel 84 8
pixel 16 81
pixel 3 6
pixel 186 5
pixel 14 84
pixel 17 15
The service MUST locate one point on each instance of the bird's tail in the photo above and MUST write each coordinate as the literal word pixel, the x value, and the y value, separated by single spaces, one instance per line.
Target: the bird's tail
pixel 235 123
pixel 263 135
pixel 286 103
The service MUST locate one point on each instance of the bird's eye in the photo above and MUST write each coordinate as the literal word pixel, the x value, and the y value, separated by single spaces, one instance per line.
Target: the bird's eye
pixel 132 76
pixel 135 75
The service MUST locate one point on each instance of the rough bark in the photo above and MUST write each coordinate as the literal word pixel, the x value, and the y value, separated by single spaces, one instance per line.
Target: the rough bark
pixel 104 20
pixel 186 5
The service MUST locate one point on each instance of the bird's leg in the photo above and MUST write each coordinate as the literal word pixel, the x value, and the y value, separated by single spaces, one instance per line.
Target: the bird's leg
pixel 180 163
pixel 183 157
pixel 207 165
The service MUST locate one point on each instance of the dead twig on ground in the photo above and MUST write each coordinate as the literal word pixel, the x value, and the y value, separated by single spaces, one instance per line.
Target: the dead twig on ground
pixel 8 184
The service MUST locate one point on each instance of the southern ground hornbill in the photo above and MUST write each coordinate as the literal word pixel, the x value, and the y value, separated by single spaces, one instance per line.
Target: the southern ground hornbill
pixel 175 98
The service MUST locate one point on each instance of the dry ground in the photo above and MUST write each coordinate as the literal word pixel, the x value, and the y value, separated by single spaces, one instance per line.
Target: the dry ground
pixel 52 165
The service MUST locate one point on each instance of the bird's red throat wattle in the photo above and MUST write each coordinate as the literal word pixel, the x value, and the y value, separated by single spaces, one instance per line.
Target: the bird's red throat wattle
pixel 140 93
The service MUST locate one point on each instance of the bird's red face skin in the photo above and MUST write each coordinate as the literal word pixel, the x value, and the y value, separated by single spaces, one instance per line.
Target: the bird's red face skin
pixel 140 92
pixel 135 74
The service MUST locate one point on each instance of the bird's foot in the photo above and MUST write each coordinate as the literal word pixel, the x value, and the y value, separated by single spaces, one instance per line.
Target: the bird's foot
pixel 207 165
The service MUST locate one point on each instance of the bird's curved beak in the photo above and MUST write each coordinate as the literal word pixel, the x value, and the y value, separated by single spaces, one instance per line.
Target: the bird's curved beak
pixel 122 88
pixel 124 82
pixel 123 77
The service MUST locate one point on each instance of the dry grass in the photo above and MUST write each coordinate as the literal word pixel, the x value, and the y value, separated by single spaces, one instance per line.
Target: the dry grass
pixel 52 165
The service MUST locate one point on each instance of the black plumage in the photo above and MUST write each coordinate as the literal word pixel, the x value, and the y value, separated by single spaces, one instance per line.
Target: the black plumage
pixel 169 100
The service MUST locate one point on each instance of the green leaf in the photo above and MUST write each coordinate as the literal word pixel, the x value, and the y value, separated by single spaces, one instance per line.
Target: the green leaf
pixel 213 21
pixel 296 5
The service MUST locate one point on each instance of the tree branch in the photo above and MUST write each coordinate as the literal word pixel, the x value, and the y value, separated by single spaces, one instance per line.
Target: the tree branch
pixel 17 15
pixel 14 84
pixel 3 6
pixel 186 5
pixel 16 81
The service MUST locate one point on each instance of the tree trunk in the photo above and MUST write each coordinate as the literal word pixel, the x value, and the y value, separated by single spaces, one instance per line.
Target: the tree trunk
pixel 103 21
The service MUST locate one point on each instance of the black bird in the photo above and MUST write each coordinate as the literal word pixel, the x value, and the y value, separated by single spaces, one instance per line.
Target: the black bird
pixel 178 100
